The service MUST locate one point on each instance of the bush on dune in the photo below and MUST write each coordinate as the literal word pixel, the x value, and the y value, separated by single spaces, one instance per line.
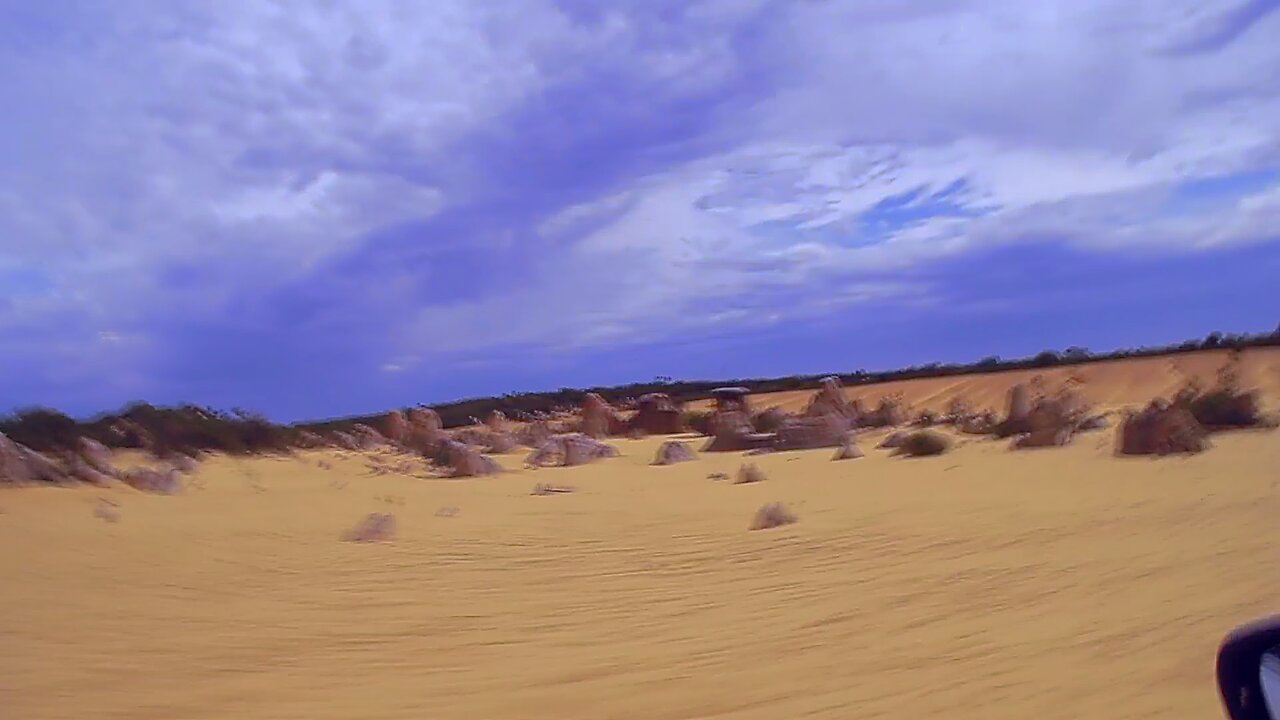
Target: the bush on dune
pixel 924 443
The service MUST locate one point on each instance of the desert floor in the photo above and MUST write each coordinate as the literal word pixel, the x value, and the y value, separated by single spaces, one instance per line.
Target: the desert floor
pixel 1060 583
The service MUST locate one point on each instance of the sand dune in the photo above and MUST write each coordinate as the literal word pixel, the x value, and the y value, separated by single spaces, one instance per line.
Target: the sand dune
pixel 1110 384
pixel 1063 583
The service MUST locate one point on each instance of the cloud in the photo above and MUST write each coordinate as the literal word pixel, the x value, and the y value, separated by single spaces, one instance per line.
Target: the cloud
pixel 197 189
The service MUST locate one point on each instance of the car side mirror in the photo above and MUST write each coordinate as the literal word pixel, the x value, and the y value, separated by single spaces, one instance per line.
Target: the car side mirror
pixel 1249 671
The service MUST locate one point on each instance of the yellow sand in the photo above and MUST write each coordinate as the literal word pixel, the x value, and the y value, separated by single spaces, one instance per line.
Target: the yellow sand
pixel 1109 384
pixel 1061 583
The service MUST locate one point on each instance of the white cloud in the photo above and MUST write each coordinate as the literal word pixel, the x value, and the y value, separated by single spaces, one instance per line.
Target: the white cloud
pixel 653 169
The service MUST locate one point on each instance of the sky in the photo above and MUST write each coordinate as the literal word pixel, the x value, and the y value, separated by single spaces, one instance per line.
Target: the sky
pixel 316 209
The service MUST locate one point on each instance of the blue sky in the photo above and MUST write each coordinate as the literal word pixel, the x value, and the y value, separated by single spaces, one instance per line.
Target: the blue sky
pixel 322 208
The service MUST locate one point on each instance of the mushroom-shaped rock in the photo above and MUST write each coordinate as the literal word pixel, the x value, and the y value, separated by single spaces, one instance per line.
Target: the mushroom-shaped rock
pixel 732 399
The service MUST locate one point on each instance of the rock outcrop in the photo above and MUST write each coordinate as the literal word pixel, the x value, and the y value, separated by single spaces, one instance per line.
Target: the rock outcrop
pixel 570 450
pixel 830 400
pixel 308 440
pixel 426 433
pixel 80 470
pixel 599 420
pixel 466 461
pixel 534 434
pixel 395 426
pixel 769 420
pixel 848 450
pixel 807 433
pixel 344 440
pixel 367 438
pixel 158 482
pixel 893 440
pixel 13 463
pixel 1161 430
pixel 889 413
pixel 673 452
pixel 656 414
pixel 1017 412
pixel 500 442
pixel 97 456
pixel 731 431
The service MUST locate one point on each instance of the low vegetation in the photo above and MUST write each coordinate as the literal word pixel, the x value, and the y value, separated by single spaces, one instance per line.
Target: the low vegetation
pixel 923 443
pixel 187 430
pixel 772 515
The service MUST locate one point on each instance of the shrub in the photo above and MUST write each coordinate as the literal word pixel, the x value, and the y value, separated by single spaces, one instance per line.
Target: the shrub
pixel 924 444
pixel 749 474
pixel 41 429
pixel 772 515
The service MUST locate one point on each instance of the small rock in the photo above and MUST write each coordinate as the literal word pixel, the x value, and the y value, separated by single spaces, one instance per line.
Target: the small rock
pixel 154 481
pixel 673 452
pixel 848 451
pixel 893 441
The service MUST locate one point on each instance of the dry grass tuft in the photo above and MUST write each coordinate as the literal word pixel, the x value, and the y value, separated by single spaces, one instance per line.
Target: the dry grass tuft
pixel 749 473
pixel 772 515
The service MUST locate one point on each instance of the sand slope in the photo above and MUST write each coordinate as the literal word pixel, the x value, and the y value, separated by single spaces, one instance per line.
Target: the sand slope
pixel 1109 384
pixel 1057 583
pixel 1060 583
